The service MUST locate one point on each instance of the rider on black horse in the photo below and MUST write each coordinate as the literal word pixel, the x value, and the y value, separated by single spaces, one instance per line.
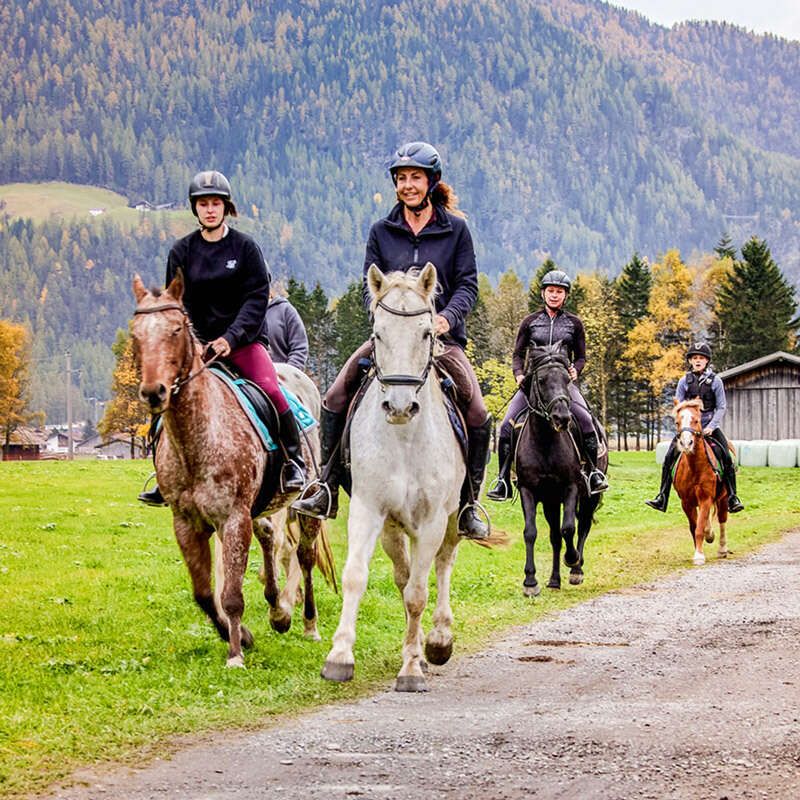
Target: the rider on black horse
pixel 700 381
pixel 546 327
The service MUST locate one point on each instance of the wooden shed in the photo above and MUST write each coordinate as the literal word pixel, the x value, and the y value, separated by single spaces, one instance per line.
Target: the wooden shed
pixel 763 398
pixel 25 444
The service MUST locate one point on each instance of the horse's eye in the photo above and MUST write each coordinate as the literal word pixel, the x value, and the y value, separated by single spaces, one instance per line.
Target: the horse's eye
pixel 176 331
pixel 426 334
pixel 377 337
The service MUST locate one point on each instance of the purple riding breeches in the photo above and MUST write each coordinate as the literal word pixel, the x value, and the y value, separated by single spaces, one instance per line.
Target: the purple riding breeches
pixel 254 363
pixel 577 405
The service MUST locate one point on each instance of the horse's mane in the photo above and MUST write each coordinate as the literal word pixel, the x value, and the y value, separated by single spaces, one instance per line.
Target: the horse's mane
pixel 695 402
pixel 548 353
pixel 400 280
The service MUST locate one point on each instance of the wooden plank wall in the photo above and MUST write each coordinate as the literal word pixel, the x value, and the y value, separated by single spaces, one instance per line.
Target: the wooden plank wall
pixel 764 404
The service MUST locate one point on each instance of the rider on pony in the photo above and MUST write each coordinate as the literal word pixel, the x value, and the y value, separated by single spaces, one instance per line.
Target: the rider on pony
pixel 700 381
pixel 226 295
pixel 423 226
pixel 548 326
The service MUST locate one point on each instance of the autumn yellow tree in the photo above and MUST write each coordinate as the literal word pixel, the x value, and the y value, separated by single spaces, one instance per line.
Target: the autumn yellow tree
pixel 603 327
pixel 506 307
pixel 124 413
pixel 657 343
pixel 15 344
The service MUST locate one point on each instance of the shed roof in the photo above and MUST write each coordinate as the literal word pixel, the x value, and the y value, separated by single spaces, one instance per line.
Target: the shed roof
pixel 758 363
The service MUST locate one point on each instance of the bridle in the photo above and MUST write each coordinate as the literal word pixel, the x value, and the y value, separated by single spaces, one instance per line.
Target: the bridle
pixel 398 379
pixel 179 381
pixel 539 407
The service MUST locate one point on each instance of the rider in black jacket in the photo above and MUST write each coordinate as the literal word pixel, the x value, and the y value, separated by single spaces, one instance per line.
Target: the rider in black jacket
pixel 423 226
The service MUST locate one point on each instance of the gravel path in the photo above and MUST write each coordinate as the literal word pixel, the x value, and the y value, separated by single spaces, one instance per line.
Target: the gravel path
pixel 685 689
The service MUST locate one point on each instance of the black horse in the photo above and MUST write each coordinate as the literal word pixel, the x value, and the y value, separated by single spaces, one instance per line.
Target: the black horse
pixel 548 466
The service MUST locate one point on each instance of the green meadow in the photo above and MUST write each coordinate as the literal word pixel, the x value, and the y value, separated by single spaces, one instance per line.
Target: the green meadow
pixel 105 657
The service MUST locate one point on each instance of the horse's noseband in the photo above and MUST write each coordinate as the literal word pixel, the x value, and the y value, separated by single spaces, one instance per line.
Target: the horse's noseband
pixel 539 407
pixel 399 379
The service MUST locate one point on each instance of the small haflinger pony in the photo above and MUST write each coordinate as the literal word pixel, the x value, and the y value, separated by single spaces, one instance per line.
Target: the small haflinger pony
pixel 549 469
pixel 696 480
pixel 407 470
pixel 210 463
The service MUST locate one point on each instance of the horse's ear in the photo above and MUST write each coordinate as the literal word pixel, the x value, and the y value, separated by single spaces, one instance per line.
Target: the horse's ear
pixel 427 279
pixel 674 402
pixel 139 290
pixel 374 280
pixel 175 288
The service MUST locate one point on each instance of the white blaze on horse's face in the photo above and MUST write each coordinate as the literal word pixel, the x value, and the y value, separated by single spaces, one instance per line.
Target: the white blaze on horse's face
pixel 686 435
pixel 403 339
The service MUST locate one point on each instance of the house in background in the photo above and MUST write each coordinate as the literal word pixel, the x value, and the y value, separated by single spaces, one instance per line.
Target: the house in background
pixel 763 398
pixel 25 444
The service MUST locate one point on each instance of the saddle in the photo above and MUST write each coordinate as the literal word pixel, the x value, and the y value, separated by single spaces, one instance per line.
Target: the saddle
pixel 449 391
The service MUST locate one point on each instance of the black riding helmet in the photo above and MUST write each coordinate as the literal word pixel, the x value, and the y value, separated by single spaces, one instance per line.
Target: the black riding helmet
pixel 555 277
pixel 211 183
pixel 699 349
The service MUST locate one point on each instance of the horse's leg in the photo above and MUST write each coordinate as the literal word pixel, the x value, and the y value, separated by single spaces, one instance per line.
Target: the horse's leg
pixel 530 587
pixel 552 513
pixel 307 558
pixel 363 528
pixel 439 644
pixel 271 536
pixel 234 535
pixel 701 525
pixel 586 509
pixel 722 516
pixel 568 520
pixel 196 552
pixel 415 597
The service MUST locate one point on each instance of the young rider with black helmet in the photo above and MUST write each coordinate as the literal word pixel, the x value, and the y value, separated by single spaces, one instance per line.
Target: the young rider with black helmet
pixel 423 226
pixel 226 291
pixel 547 326
pixel 700 381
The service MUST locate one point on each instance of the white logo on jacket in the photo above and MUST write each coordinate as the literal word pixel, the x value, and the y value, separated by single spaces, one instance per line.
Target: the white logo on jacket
pixel 231 264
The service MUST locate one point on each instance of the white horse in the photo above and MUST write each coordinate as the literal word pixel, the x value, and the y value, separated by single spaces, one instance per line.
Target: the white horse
pixel 407 471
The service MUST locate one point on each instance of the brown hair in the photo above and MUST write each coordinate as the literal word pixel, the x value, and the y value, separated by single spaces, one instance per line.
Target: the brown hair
pixel 443 195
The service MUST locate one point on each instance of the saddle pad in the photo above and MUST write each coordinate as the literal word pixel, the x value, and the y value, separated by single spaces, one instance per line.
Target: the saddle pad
pixel 258 408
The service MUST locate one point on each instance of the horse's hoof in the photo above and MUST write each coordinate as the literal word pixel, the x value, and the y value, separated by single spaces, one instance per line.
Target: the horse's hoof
pixel 280 622
pixel 710 537
pixel 410 683
pixel 247 638
pixel 438 653
pixel 312 633
pixel 553 584
pixel 531 591
pixel 699 559
pixel 722 554
pixel 235 662
pixel 576 578
pixel 341 673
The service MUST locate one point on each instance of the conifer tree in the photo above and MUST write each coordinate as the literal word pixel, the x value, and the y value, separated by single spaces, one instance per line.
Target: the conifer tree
pixel 755 310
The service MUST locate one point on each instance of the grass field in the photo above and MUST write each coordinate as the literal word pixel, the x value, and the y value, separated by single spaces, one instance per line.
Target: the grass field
pixel 104 656
pixel 69 201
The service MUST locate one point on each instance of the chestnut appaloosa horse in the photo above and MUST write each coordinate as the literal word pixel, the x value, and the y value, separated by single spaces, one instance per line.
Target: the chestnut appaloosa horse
pixel 210 462
pixel 696 480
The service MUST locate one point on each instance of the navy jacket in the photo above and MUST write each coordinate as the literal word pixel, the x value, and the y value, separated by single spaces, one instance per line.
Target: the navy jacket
pixel 226 286
pixel 288 340
pixel 447 244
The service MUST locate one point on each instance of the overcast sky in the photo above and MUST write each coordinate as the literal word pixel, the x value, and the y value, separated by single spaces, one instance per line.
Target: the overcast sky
pixel 781 17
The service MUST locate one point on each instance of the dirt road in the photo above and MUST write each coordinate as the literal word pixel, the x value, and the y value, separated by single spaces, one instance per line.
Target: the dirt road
pixel 687 689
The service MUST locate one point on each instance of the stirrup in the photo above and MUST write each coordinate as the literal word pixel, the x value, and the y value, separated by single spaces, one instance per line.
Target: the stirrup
pixel 603 486
pixel 477 505
pixel 498 484
pixel 281 480
pixel 304 495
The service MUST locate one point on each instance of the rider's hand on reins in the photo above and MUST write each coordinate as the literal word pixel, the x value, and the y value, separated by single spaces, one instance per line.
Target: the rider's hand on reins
pixel 219 348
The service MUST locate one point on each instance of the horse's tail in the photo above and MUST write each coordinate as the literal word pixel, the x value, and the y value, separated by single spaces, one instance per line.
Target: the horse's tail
pixel 326 563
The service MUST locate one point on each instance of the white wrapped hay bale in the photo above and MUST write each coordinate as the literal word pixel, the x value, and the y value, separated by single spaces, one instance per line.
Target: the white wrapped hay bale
pixel 661 451
pixel 784 453
pixel 754 453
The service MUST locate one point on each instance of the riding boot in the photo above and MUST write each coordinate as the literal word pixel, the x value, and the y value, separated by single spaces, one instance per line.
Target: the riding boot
pixel 735 505
pixel 597 480
pixel 470 524
pixel 660 501
pixel 324 502
pixel 502 486
pixel 293 472
pixel 152 497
